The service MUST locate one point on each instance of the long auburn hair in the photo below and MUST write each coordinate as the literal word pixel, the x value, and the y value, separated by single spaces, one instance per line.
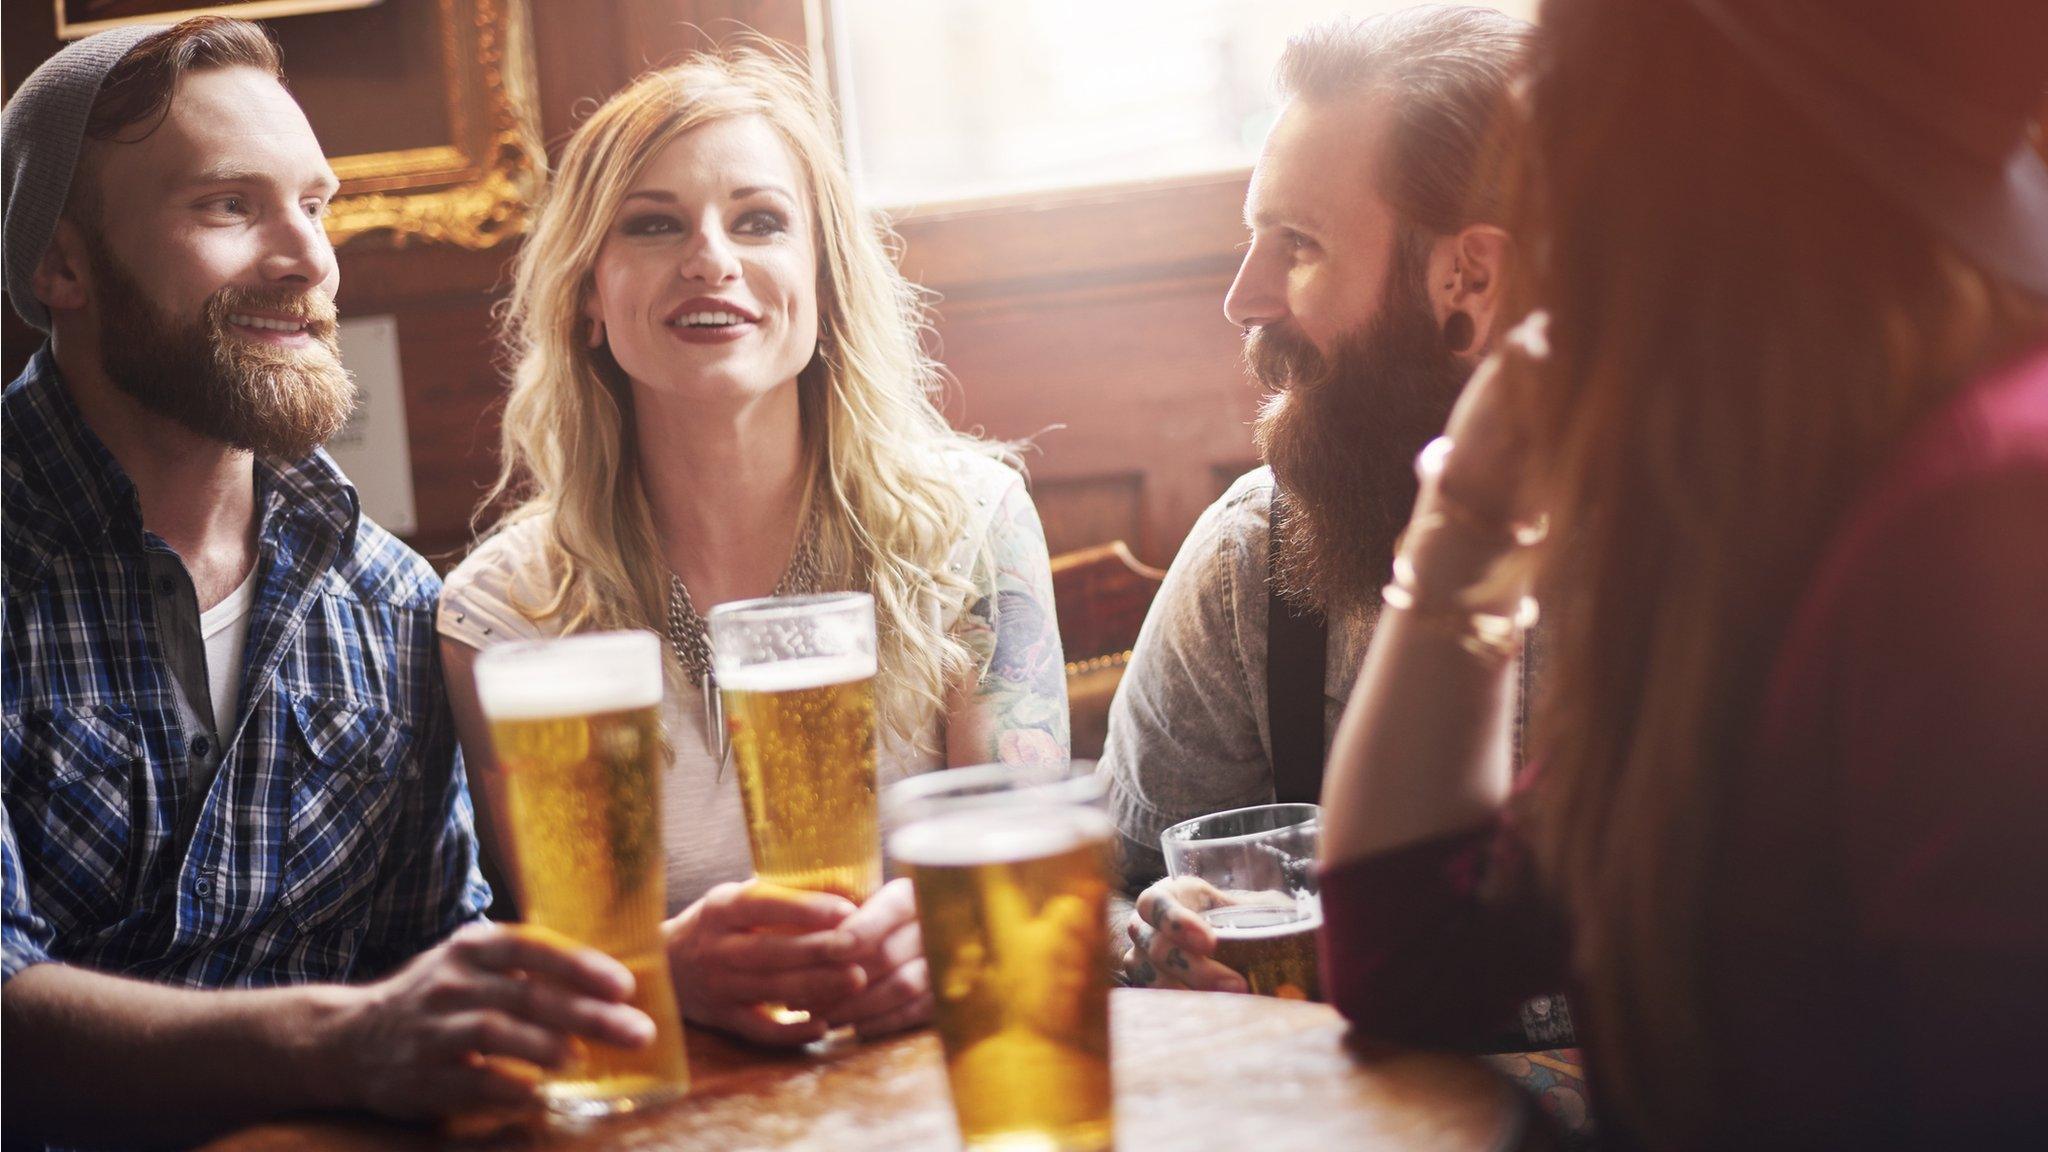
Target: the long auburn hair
pixel 1741 328
pixel 875 445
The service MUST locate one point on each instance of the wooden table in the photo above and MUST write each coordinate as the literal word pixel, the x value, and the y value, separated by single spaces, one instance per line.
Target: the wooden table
pixel 1193 1071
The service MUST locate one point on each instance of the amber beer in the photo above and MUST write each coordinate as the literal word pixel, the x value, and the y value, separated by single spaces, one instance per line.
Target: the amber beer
pixel 1272 946
pixel 1259 864
pixel 577 734
pixel 797 675
pixel 1012 904
pixel 803 738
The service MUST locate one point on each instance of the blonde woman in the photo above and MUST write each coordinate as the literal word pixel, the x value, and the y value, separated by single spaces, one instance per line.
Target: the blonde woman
pixel 720 394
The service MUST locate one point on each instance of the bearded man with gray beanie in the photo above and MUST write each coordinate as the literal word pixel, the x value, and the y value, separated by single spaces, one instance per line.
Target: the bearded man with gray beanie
pixel 239 868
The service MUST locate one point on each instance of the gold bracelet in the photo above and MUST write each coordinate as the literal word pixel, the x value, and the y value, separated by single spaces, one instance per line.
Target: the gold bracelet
pixel 1448 509
pixel 1495 637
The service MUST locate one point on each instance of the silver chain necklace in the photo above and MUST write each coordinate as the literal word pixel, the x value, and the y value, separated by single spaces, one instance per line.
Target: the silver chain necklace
pixel 691 640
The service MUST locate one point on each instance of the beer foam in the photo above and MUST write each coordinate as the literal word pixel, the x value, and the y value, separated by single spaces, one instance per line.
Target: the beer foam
pixel 796 675
pixel 570 676
pixel 1265 921
pixel 1000 834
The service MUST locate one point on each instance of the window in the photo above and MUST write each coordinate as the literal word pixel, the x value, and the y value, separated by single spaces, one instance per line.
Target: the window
pixel 958 99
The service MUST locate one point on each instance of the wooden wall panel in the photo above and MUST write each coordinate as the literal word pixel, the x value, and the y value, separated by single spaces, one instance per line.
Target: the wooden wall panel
pixel 1143 382
pixel 589 49
pixel 453 396
pixel 1050 243
pixel 1079 511
pixel 1094 323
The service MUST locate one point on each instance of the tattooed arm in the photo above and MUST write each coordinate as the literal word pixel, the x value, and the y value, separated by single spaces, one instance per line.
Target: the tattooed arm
pixel 1016 711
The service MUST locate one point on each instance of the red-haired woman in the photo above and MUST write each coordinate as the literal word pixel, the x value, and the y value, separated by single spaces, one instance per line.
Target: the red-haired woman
pixel 1788 420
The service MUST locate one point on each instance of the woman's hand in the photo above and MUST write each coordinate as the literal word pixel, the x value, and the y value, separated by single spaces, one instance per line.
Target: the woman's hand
pixel 743 946
pixel 1489 472
pixel 1477 488
pixel 890 952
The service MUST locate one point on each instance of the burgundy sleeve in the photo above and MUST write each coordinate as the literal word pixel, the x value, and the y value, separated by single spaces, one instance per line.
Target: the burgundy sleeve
pixel 1437 943
pixel 1941 700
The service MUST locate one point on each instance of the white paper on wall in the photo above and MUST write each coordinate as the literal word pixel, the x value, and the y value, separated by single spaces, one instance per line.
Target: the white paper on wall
pixel 373 448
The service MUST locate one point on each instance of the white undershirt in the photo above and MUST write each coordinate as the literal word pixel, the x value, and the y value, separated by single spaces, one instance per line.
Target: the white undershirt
pixel 225 627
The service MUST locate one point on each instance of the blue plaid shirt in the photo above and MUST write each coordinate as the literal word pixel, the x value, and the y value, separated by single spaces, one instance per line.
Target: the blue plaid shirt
pixel 335 840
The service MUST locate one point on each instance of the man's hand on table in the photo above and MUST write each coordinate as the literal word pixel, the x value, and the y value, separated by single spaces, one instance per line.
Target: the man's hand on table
pixel 421 1042
pixel 1171 944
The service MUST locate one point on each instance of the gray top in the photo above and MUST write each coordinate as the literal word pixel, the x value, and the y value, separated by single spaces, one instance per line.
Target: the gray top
pixel 1187 731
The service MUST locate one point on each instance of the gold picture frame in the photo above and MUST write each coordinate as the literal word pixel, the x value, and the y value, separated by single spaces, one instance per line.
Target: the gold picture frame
pixel 76 20
pixel 476 190
pixel 472 189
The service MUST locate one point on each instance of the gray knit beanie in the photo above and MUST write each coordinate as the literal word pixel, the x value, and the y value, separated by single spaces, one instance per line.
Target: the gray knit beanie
pixel 40 135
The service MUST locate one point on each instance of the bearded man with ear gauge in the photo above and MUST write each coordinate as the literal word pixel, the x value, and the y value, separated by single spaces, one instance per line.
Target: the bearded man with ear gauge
pixel 1367 296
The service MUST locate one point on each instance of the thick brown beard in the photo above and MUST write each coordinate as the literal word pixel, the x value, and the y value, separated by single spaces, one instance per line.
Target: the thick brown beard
pixel 280 403
pixel 1341 436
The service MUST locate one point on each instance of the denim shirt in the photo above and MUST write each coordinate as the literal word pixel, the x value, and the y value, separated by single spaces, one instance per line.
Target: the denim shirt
pixel 1188 728
pixel 329 837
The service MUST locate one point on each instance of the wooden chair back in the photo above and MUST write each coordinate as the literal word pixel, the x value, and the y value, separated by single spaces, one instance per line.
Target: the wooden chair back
pixel 1101 595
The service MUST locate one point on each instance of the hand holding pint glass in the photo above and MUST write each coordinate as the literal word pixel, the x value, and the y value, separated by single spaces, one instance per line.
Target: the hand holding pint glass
pixel 797 677
pixel 576 730
pixel 1250 875
pixel 1011 872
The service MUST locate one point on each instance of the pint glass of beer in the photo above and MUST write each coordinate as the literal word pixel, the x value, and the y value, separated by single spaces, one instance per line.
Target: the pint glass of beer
pixel 797 674
pixel 1011 870
pixel 1261 863
pixel 576 730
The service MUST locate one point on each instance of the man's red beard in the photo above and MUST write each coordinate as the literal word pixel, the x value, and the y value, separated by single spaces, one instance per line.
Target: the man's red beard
pixel 1341 435
pixel 277 401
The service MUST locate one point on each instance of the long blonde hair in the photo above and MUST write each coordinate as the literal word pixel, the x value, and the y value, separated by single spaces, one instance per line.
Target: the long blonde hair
pixel 1742 329
pixel 879 485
